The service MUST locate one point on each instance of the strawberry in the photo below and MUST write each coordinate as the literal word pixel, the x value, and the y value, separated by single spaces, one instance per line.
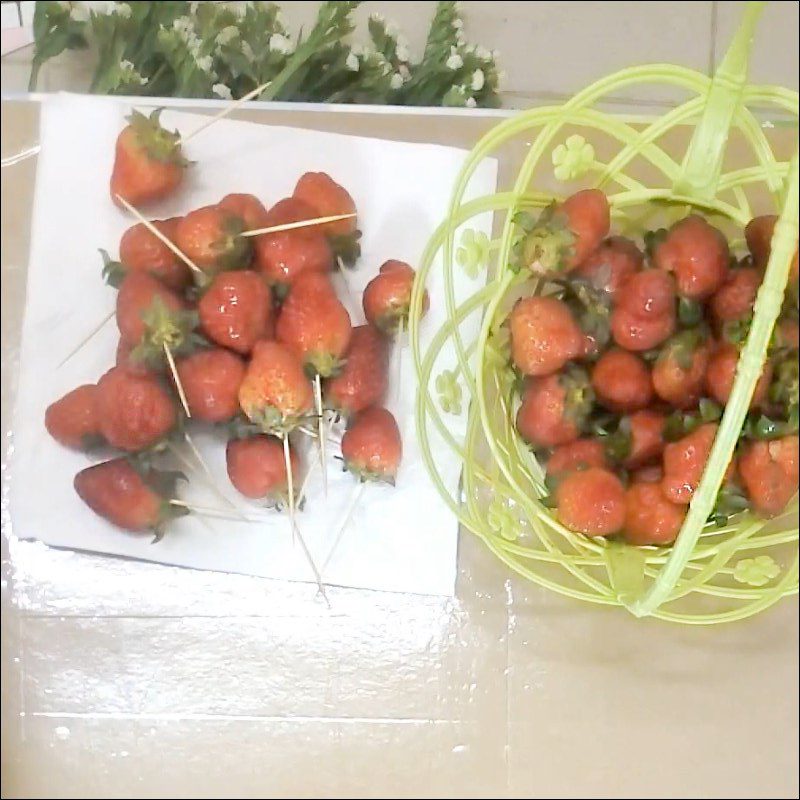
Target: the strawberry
pixel 387 297
pixel 371 446
pixel 564 235
pixel 284 255
pixel 554 408
pixel 257 468
pixel 679 373
pixel 721 373
pixel 649 517
pixel 73 420
pixel 591 502
pixel 135 411
pixel 641 436
pixel 211 380
pixel 685 462
pixel 544 335
pixel 644 314
pixel 769 472
pixel 236 310
pixel 150 316
pixel 125 358
pixel 611 264
pixel 621 381
pixel 734 300
pixel 209 236
pixel 580 454
pixel 142 251
pixel 363 379
pixel 275 393
pixel 148 165
pixel 133 501
pixel 758 235
pixel 696 253
pixel 247 207
pixel 328 199
pixel 315 324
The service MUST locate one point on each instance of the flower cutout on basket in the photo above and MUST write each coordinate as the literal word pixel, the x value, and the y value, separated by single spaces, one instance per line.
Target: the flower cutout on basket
pixel 473 254
pixel 757 571
pixel 573 158
pixel 501 520
pixel 449 391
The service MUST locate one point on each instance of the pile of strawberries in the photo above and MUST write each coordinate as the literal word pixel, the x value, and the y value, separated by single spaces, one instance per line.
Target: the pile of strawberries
pixel 627 360
pixel 239 331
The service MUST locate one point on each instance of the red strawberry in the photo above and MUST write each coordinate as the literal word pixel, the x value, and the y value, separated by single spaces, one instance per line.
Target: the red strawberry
pixel 135 411
pixel 769 471
pixel 328 199
pixel 721 373
pixel 685 462
pixel 142 251
pixel 126 359
pixel 73 420
pixel 210 237
pixel 371 446
pixel 591 502
pixel 611 264
pixel 236 310
pixel 247 207
pixel 679 373
pixel 257 468
pixel 211 380
pixel 735 298
pixel 283 256
pixel 387 297
pixel 363 379
pixel 697 254
pixel 275 393
pixel 580 454
pixel 645 435
pixel 137 294
pixel 315 324
pixel 564 235
pixel 148 165
pixel 758 235
pixel 554 409
pixel 117 492
pixel 644 314
pixel 544 335
pixel 649 517
pixel 621 381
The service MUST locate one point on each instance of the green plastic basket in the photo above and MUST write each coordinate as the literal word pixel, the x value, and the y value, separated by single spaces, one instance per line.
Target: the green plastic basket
pixel 710 574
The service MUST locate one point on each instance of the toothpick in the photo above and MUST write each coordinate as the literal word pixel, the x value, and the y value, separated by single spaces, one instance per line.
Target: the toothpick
pixel 178 385
pixel 160 236
pixel 217 513
pixel 329 436
pixel 224 112
pixel 321 435
pixel 309 472
pixel 94 332
pixel 356 496
pixel 287 460
pixel 303 223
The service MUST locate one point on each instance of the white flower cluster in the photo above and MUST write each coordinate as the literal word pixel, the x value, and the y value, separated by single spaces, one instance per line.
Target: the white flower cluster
pixel 226 35
pixel 279 43
pixel 184 28
pixel 223 91
pixel 120 9
pixel 454 60
pixel 129 75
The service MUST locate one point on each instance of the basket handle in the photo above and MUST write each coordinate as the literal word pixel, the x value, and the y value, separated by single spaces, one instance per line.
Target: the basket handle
pixel 702 164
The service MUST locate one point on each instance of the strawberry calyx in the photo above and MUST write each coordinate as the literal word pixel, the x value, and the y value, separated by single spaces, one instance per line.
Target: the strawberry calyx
pixel 578 397
pixel 271 420
pixel 346 248
pixel 680 424
pixel 166 328
pixel 364 473
pixel 114 272
pixel 683 346
pixel 165 484
pixel 158 143
pixel 322 363
pixel 546 242
pixel 234 250
pixel 388 322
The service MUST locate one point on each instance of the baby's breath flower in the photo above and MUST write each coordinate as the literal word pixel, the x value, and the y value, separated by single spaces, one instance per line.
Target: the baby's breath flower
pixel 477 80
pixel 404 72
pixel 390 28
pixel 248 51
pixel 401 50
pixel 454 60
pixel 351 62
pixel 130 75
pixel 483 53
pixel 458 24
pixel 227 35
pixel 396 81
pixel 205 64
pixel 120 9
pixel 193 6
pixel 279 43
pixel 471 102
pixel 223 91
pixel 78 12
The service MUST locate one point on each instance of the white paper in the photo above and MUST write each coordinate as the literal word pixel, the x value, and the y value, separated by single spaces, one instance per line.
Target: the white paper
pixel 399 539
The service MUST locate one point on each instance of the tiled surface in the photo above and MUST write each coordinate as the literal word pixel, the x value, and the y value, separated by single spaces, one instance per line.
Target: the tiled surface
pixel 552 48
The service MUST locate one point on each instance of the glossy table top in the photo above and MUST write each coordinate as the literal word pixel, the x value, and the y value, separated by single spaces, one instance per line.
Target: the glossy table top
pixel 129 679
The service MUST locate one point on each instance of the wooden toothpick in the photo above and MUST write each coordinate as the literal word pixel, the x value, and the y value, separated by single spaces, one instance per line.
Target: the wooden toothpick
pixel 157 233
pixel 87 338
pixel 303 223
pixel 356 496
pixel 176 379
pixel 224 112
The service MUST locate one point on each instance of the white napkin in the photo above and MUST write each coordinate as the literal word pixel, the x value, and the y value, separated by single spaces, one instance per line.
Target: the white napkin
pixel 399 539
